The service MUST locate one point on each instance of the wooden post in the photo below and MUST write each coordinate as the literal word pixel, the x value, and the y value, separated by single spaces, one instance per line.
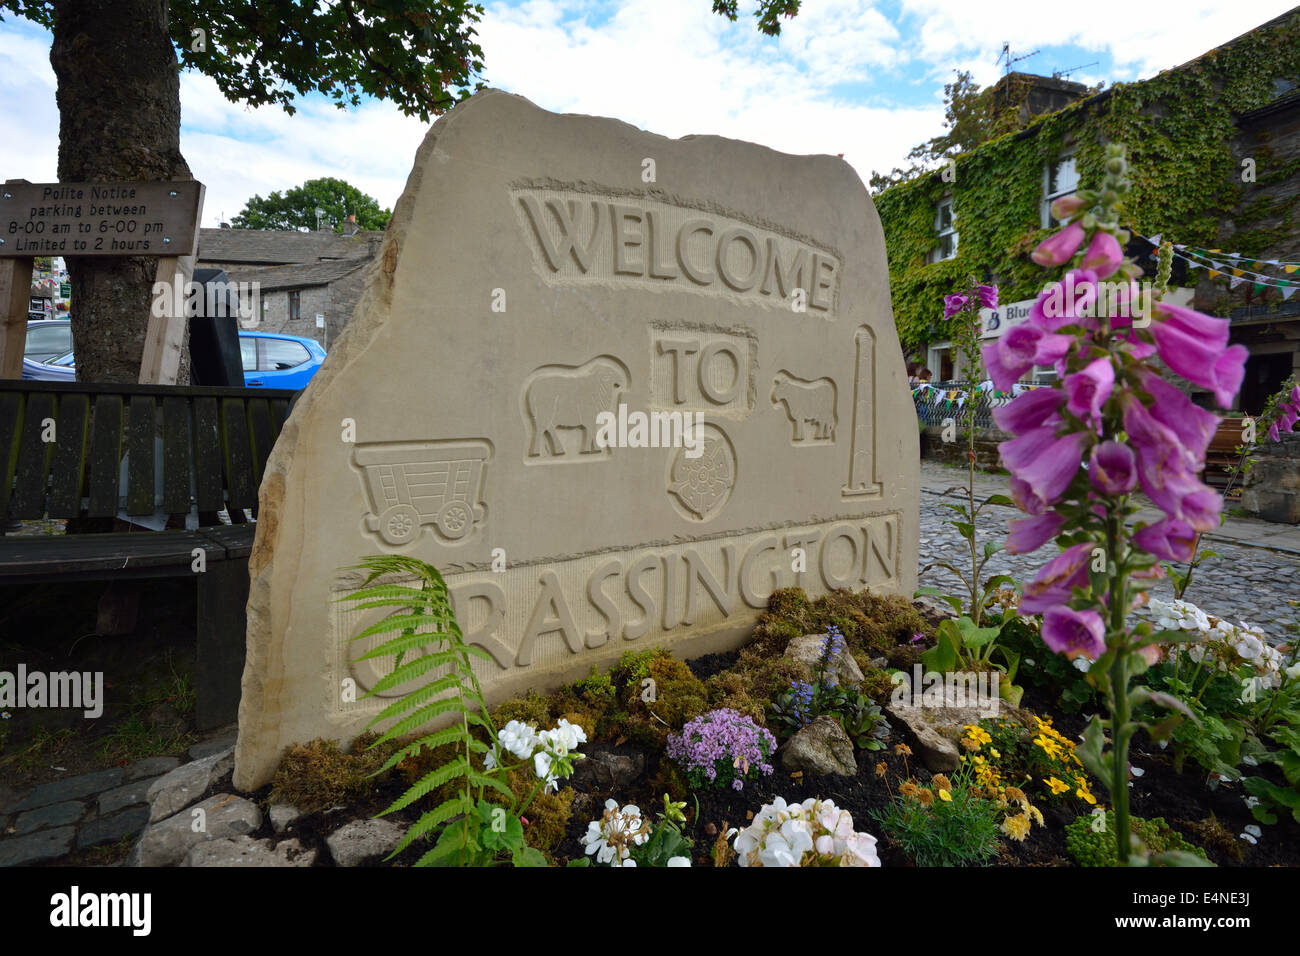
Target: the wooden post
pixel 165 339
pixel 15 295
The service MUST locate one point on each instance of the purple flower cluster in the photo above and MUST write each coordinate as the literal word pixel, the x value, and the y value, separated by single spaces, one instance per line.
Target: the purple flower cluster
pixel 832 648
pixel 1288 409
pixel 1109 410
pixel 801 695
pixel 721 748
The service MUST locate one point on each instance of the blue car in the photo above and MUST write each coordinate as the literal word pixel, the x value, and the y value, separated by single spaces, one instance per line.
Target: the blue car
pixel 270 359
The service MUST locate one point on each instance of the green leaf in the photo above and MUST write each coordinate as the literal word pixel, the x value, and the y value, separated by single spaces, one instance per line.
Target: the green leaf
pixel 482 780
pixel 964 528
pixel 998 499
pixel 942 657
pixel 416 668
pixel 1090 752
pixel 1168 637
pixel 431 781
pixel 529 856
pixel 1144 695
pixel 501 829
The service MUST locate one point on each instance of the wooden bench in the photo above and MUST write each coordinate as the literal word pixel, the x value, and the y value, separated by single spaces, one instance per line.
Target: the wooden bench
pixel 160 454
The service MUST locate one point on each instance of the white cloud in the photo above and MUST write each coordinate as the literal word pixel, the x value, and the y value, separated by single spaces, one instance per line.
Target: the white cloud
pixel 829 84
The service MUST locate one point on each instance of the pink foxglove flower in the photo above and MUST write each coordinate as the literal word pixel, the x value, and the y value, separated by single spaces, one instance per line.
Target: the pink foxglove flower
pixel 1058 579
pixel 988 296
pixel 1169 540
pixel 1074 633
pixel 952 304
pixel 1112 468
pixel 1030 534
pixel 1057 249
pixel 1087 391
pixel 1104 255
pixel 1067 206
pixel 1029 411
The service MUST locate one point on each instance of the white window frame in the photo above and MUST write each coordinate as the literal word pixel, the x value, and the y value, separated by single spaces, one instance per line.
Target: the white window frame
pixel 1049 197
pixel 936 255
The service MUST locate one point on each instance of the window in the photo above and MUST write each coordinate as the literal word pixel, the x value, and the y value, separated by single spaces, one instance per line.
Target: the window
pixel 945 225
pixel 280 354
pixel 1060 178
pixel 248 354
pixel 48 340
pixel 295 305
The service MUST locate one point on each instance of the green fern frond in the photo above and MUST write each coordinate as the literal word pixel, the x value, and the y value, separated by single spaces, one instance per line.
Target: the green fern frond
pixel 411 670
pixel 483 780
pixel 440 814
pixel 432 781
pixel 406 702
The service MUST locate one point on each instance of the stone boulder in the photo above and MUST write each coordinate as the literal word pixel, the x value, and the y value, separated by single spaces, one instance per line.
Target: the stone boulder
pixel 364 841
pixel 933 729
pixel 169 841
pixel 245 851
pixel 807 650
pixel 821 748
pixel 175 791
pixel 608 770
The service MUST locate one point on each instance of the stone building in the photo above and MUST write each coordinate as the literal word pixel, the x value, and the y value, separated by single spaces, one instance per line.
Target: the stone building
pixel 1188 131
pixel 297 276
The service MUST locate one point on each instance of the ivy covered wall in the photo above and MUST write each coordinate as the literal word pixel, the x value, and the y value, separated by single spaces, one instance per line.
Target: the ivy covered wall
pixel 1179 127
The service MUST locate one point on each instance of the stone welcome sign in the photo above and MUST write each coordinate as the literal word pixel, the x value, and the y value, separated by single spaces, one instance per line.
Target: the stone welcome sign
pixel 615 387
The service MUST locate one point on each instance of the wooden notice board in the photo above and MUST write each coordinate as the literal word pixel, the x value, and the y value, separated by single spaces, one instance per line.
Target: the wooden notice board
pixel 157 219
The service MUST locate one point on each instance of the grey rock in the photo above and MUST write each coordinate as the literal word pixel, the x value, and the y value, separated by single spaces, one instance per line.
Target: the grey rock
pixel 112 828
pixel 822 748
pixel 807 650
pixel 168 843
pixel 152 767
pixel 245 851
pixel 934 728
pixel 608 770
pixel 283 815
pixel 215 745
pixel 55 815
pixel 364 840
pixel 129 794
pixel 71 788
pixel 175 791
pixel 35 847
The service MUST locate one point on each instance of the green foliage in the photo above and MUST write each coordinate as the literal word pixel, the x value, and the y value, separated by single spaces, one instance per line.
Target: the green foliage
pixel 767 14
pixel 1180 130
pixel 1090 848
pixel 1048 669
pixel 424 641
pixel 937 832
pixel 667 839
pixel 420 56
pixel 296 208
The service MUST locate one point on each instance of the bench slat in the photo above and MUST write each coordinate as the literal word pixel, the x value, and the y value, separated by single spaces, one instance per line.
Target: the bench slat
pixel 33 460
pixel 207 456
pixel 69 457
pixel 240 481
pixel 279 414
pixel 259 417
pixel 11 413
pixel 177 453
pixel 105 456
pixel 139 446
pixel 22 557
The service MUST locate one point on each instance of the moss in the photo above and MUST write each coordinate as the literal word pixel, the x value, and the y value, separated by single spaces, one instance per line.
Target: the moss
pixel 531 709
pixel 869 622
pixel 1089 848
pixel 1216 836
pixel 877 684
pixel 318 775
pixel 733 689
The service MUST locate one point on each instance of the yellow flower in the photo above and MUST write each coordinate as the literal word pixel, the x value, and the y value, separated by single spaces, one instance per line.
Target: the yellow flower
pixel 941 782
pixel 1016 827
pixel 1057 786
pixel 1034 812
pixel 977 734
pixel 881 768
pixel 995 754
pixel 1085 796
pixel 1016 794
pixel 909 789
pixel 925 797
pixel 945 796
pixel 902 750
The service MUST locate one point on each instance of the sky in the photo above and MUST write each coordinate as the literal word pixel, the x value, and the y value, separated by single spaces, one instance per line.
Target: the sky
pixel 859 77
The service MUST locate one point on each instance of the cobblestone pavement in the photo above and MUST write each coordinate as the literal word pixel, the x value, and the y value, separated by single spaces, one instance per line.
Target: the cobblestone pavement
pixel 1244 583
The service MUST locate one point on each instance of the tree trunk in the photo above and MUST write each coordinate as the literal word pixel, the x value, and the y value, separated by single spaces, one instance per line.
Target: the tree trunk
pixel 119 120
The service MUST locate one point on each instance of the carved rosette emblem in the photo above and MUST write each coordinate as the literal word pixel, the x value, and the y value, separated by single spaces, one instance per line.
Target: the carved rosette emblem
pixel 701 486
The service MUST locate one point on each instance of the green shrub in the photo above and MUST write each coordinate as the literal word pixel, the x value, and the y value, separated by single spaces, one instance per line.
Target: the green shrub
pixel 1090 848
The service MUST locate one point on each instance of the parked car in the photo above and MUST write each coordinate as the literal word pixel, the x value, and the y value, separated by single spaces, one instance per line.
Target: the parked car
pixel 275 360
pixel 270 359
pixel 47 339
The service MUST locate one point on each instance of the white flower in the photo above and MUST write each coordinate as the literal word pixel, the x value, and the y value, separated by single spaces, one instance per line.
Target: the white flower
pixel 679 861
pixel 1250 647
pixel 628 862
pixel 490 760
pixel 1293 671
pixel 782 834
pixel 1082 663
pixel 542 764
pixel 519 738
pixel 611 837
pixel 1135 771
pixel 1251 801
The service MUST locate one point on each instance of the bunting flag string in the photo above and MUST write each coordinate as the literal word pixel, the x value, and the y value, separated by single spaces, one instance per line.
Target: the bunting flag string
pixel 1232 266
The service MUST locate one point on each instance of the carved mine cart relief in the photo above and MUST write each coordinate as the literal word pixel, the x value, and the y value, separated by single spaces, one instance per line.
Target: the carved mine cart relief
pixel 410 484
